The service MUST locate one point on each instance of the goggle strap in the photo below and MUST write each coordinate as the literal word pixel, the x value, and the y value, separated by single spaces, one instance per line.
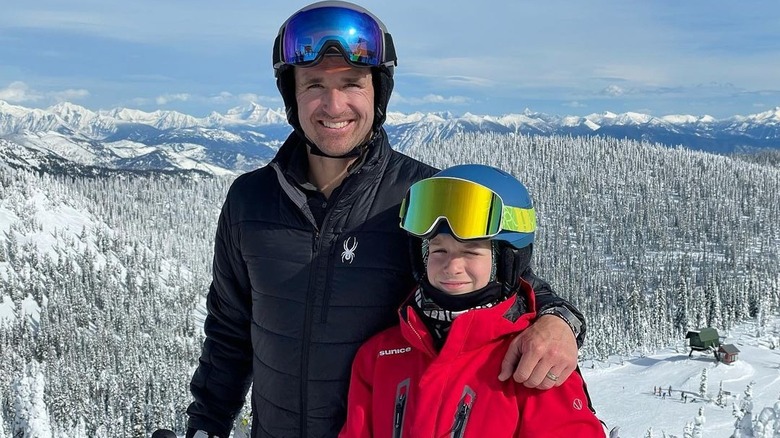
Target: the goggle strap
pixel 521 220
pixel 278 56
pixel 389 49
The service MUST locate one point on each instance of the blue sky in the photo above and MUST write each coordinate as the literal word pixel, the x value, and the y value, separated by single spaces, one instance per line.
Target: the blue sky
pixel 485 57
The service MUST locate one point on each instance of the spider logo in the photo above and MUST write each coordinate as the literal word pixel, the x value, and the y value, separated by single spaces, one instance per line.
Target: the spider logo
pixel 349 250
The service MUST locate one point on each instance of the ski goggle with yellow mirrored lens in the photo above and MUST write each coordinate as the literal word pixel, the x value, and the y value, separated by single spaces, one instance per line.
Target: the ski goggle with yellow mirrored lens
pixel 471 210
pixel 309 34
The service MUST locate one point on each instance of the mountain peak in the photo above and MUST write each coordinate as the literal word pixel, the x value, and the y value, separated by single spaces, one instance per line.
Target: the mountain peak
pixel 254 113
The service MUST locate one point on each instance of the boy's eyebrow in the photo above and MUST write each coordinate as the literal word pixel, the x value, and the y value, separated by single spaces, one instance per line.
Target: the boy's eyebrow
pixel 468 244
pixel 473 244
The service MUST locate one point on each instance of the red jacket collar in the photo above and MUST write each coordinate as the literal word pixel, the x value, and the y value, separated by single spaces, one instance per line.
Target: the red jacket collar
pixel 474 328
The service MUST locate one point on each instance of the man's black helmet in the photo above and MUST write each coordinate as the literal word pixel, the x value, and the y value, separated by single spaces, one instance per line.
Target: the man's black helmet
pixel 329 27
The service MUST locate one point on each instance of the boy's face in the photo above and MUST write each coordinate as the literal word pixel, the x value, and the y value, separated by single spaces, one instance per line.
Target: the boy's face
pixel 459 267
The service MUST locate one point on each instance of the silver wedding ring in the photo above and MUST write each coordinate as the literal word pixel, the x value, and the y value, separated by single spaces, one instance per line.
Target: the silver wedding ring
pixel 552 376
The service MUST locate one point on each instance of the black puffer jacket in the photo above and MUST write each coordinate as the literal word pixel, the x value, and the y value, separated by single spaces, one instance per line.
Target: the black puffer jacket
pixel 290 304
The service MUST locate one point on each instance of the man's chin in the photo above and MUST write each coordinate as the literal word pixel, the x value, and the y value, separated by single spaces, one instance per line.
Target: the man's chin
pixel 335 150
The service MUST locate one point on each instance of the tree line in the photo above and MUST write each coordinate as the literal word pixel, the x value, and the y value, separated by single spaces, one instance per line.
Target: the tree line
pixel 106 276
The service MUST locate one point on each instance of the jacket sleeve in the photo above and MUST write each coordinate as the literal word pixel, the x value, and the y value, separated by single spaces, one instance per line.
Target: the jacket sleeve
pixel 547 298
pixel 359 400
pixel 220 383
pixel 560 412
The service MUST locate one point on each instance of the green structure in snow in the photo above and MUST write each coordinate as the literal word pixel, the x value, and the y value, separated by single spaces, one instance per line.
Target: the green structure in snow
pixel 704 339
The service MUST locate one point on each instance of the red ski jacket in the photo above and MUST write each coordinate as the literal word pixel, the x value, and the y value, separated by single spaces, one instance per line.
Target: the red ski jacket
pixel 401 387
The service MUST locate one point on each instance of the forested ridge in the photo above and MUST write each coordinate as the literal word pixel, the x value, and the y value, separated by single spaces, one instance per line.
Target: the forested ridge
pixel 102 279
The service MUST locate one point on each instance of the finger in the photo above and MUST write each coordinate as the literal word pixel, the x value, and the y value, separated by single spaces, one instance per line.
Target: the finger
pixel 528 368
pixel 538 378
pixel 512 357
pixel 563 375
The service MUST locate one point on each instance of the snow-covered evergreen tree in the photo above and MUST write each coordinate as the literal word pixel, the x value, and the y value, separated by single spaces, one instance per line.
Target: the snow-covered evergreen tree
pixel 698 424
pixel 2 418
pixel 31 416
pixel 746 412
pixel 703 383
pixel 738 414
pixel 688 430
pixel 777 420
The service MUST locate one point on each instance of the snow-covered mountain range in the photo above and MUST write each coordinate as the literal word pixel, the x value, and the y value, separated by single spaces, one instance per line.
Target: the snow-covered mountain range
pixel 68 135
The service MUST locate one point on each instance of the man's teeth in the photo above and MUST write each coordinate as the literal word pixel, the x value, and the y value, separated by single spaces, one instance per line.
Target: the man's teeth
pixel 334 125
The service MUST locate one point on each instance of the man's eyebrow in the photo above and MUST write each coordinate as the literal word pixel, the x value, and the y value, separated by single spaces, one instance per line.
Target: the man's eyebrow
pixel 356 75
pixel 309 80
pixel 347 78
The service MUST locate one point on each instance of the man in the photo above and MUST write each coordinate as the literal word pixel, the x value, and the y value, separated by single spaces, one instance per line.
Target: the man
pixel 309 257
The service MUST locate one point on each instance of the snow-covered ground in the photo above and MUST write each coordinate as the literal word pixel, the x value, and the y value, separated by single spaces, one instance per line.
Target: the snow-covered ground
pixel 622 391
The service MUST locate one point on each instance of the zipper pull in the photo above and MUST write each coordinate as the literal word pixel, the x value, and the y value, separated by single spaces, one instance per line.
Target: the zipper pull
pixel 462 414
pixel 401 396
pixel 399 410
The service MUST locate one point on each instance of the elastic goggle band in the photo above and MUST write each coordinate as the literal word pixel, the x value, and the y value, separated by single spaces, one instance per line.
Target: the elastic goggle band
pixel 309 34
pixel 471 210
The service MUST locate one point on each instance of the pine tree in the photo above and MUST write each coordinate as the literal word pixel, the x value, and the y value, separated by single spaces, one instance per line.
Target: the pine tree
pixel 31 416
pixel 2 417
pixel 746 410
pixel 688 430
pixel 738 414
pixel 703 383
pixel 698 427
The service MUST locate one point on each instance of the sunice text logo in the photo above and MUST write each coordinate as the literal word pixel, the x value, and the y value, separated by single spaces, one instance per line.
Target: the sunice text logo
pixel 350 245
pixel 395 351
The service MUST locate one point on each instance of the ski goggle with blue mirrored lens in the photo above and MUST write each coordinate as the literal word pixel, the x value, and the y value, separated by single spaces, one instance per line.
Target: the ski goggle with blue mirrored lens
pixel 309 34
pixel 471 210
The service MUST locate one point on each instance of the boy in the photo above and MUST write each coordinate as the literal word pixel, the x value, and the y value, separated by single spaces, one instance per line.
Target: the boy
pixel 434 374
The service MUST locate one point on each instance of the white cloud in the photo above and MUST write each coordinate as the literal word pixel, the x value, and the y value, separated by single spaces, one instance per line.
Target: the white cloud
pixel 167 98
pixel 613 90
pixel 140 101
pixel 18 92
pixel 70 95
pixel 226 97
pixel 222 97
pixel 430 99
pixel 575 104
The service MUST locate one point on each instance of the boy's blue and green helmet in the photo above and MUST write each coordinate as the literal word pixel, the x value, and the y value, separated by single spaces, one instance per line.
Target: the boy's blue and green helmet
pixel 472 201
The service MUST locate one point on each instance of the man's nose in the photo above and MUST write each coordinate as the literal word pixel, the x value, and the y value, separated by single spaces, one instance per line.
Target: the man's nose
pixel 334 101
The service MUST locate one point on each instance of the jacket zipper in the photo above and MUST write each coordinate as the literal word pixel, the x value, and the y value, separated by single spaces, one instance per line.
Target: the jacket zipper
pixel 464 410
pixel 328 275
pixel 401 397
pixel 306 338
pixel 423 343
pixel 331 256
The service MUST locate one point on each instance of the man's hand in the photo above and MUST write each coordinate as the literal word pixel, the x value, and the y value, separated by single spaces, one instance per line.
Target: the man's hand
pixel 544 350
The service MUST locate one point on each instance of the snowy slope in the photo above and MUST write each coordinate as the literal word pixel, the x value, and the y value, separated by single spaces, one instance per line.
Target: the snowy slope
pixel 622 391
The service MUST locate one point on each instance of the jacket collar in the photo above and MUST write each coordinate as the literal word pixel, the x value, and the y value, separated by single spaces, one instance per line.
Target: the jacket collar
pixel 473 329
pixel 292 157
